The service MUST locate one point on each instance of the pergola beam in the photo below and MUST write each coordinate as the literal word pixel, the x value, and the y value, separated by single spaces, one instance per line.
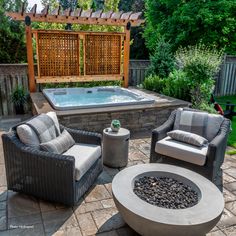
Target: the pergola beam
pixel 79 16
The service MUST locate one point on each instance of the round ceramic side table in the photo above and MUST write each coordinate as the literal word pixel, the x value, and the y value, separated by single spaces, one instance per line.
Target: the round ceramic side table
pixel 115 147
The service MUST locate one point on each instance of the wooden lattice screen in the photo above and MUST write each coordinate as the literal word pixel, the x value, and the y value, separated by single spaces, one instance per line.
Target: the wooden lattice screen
pixel 58 54
pixel 75 56
pixel 102 54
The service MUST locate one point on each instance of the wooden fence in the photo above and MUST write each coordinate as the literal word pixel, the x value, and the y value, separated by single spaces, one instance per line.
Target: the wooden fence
pixel 16 74
pixel 226 79
pixel 137 71
pixel 11 75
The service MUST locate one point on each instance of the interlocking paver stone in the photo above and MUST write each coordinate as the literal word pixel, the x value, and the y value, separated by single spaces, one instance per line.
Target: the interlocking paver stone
pixel 46 206
pixel 111 171
pixel 231 186
pixel 108 219
pixel 231 171
pixel 228 178
pixel 69 232
pixel 87 207
pixel 110 233
pixel 231 206
pixel 137 156
pixel 98 192
pixel 87 224
pixel 126 231
pixel 227 220
pixel 231 231
pixel 3 193
pixel 21 205
pixel 109 188
pixel 24 221
pixel 3 205
pixel 104 178
pixel 228 196
pixel 34 230
pixel 216 233
pixel 3 181
pixel 107 203
pixel 3 220
pixel 59 219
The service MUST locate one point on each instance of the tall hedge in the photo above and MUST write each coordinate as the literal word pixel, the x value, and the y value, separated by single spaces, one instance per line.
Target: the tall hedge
pixel 182 23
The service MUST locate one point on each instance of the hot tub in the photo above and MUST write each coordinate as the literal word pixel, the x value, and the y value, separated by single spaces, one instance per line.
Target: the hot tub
pixel 74 98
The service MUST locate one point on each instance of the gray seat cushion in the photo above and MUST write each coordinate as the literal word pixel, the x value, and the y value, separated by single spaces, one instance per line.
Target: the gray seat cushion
pixel 200 123
pixel 182 151
pixel 85 156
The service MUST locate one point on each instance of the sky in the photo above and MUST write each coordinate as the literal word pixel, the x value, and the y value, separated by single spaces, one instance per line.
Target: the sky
pixel 32 2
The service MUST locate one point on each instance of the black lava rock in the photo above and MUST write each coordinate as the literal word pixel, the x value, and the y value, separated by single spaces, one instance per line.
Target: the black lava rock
pixel 165 192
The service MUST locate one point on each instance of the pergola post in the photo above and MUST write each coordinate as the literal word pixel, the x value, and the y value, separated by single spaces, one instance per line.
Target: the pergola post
pixel 126 55
pixel 30 56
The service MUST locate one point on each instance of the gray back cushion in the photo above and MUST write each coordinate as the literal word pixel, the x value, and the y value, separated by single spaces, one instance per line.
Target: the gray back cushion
pixel 28 136
pixel 44 127
pixel 60 144
pixel 187 137
pixel 200 123
pixel 53 116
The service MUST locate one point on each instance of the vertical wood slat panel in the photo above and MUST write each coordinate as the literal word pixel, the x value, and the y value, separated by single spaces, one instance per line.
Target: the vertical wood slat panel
pixel 227 80
pixel 11 75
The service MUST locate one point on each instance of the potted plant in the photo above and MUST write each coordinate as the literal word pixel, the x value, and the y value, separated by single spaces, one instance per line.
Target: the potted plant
pixel 115 125
pixel 19 99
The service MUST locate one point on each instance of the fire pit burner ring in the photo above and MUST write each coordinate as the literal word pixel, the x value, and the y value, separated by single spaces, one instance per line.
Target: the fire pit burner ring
pixel 151 220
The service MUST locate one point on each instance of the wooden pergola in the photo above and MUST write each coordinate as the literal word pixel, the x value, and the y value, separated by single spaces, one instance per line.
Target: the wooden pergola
pixel 78 56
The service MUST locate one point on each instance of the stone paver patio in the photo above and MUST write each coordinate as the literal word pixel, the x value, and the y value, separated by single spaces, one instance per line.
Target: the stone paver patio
pixel 96 213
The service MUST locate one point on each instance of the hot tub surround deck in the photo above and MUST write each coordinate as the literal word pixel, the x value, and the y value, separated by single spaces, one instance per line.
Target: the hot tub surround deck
pixel 133 117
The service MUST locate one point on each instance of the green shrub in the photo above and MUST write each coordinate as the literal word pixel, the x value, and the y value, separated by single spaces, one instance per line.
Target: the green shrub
pixel 200 64
pixel 154 83
pixel 162 61
pixel 83 84
pixel 177 85
pixel 207 107
pixel 19 96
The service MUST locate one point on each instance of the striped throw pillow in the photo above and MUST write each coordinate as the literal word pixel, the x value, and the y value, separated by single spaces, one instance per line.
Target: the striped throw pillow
pixel 187 137
pixel 60 144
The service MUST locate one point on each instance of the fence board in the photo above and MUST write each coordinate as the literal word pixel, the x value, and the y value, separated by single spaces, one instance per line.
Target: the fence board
pixel 226 80
pixel 11 75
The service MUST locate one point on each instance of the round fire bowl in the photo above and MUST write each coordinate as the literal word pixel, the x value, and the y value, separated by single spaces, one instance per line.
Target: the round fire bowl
pixel 150 220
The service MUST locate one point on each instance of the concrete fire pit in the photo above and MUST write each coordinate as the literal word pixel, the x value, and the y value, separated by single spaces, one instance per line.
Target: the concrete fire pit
pixel 150 220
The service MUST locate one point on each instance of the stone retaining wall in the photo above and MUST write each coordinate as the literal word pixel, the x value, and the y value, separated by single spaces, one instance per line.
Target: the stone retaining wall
pixel 134 120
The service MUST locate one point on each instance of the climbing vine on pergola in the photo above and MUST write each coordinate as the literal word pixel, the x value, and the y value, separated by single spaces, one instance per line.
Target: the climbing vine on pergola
pixel 78 56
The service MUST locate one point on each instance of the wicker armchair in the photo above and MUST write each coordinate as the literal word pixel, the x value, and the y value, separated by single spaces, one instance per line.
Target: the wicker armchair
pixel 46 175
pixel 214 156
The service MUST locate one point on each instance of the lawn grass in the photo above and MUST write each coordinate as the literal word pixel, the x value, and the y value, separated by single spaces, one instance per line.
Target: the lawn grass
pixel 232 136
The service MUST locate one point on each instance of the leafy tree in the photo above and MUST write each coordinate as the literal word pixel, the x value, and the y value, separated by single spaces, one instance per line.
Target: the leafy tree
pixel 138 49
pixel 162 60
pixel 12 34
pixel 68 4
pixel 200 64
pixel 211 22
